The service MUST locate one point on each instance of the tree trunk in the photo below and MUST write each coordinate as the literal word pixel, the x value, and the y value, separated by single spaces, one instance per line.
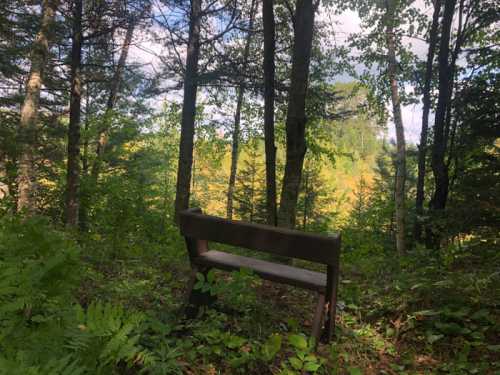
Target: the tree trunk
pixel 452 71
pixel 400 136
pixel 439 168
pixel 4 186
pixel 306 200
pixel 73 166
pixel 426 101
pixel 237 117
pixel 30 107
pixel 113 94
pixel 84 193
pixel 296 116
pixel 188 111
pixel 270 148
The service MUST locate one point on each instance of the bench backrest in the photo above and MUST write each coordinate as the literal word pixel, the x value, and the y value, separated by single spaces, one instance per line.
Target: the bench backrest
pixel 195 225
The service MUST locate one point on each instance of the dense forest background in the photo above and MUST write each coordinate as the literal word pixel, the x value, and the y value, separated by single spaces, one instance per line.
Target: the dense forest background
pixel 116 115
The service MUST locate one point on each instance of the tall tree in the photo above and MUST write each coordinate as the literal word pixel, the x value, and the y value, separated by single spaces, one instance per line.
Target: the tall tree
pixel 426 107
pixel 237 114
pixel 296 116
pixel 188 111
pixel 439 167
pixel 113 92
pixel 30 107
pixel 249 195
pixel 392 67
pixel 73 164
pixel 269 73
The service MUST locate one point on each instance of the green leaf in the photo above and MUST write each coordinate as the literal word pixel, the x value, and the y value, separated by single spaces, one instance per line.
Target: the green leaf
pixel 449 328
pixel 481 315
pixel 296 363
pixel 311 358
pixel 271 347
pixel 354 371
pixel 211 276
pixel 233 342
pixel 312 366
pixel 298 341
pixel 431 339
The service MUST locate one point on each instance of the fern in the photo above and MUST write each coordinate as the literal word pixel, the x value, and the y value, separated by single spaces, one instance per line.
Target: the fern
pixel 42 332
pixel 63 366
pixel 106 335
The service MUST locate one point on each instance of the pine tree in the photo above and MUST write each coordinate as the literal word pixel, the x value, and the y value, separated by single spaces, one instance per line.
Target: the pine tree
pixel 250 188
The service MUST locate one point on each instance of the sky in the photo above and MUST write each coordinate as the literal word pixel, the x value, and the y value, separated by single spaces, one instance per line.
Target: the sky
pixel 348 23
pixel 146 51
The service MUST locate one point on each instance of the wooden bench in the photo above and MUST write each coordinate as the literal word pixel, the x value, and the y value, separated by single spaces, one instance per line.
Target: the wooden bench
pixel 198 229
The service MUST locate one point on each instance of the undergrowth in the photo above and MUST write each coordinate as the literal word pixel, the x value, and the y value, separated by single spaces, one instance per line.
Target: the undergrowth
pixel 69 307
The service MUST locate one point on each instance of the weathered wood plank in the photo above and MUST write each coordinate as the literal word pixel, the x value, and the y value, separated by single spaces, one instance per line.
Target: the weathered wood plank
pixel 265 238
pixel 318 318
pixel 280 273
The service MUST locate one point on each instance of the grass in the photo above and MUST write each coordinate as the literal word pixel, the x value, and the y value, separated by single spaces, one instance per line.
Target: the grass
pixel 414 316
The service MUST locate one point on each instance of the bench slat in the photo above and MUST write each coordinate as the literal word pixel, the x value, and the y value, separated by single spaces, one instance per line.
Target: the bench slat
pixel 280 241
pixel 281 273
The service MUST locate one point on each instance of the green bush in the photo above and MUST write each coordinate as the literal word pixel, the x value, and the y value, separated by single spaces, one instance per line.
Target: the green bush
pixel 43 330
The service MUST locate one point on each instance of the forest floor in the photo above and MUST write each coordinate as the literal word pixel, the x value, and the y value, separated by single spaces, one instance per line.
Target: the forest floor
pixel 394 316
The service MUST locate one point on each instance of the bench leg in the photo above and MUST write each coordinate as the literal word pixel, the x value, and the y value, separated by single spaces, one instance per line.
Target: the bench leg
pixel 331 303
pixel 196 298
pixel 318 318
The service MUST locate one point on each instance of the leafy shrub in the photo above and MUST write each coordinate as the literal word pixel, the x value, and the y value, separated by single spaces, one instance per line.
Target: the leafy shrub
pixel 39 268
pixel 236 290
pixel 42 328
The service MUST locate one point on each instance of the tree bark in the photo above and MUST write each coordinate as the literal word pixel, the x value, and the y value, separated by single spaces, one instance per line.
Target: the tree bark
pixel 4 186
pixel 188 111
pixel 439 168
pixel 400 136
pixel 426 101
pixel 73 165
pixel 452 71
pixel 113 94
pixel 237 117
pixel 296 116
pixel 269 72
pixel 30 107
pixel 306 200
pixel 84 193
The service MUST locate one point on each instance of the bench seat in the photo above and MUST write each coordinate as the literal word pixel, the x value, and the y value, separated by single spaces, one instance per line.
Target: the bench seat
pixel 281 273
pixel 201 230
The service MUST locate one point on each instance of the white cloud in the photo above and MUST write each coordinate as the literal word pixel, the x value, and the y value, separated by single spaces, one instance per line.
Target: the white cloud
pixel 147 51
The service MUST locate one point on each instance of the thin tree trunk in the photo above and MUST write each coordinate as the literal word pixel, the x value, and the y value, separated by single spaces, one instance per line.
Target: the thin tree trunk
pixel 252 191
pixel 188 111
pixel 453 67
pixel 296 116
pixel 270 147
pixel 306 199
pixel 237 117
pixel 84 194
pixel 113 94
pixel 400 136
pixel 426 100
pixel 439 168
pixel 73 166
pixel 30 107
pixel 4 186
